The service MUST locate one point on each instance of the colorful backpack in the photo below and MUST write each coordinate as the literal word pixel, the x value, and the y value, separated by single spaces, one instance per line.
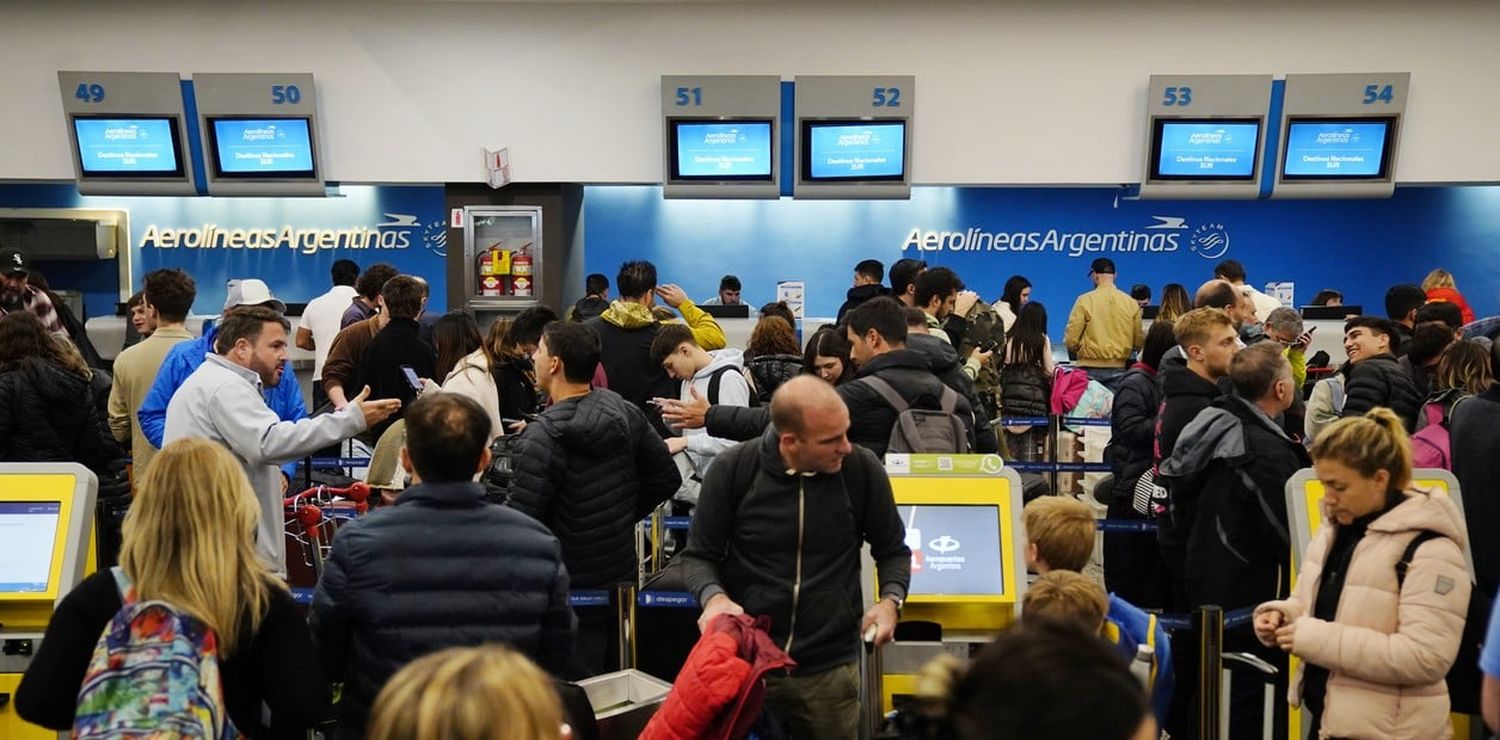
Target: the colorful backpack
pixel 154 674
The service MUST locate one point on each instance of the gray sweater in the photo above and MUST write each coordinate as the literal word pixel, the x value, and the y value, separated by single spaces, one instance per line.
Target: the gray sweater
pixel 223 402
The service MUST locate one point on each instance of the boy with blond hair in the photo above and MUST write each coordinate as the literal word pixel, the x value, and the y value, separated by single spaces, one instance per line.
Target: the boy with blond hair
pixel 1060 533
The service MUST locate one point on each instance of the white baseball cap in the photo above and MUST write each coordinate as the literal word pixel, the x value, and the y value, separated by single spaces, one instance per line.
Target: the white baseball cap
pixel 251 292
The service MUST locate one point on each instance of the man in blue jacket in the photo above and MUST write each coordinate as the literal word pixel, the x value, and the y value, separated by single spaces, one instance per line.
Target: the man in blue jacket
pixel 284 398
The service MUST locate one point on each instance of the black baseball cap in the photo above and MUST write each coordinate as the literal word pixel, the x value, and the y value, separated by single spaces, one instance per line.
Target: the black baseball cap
pixel 13 261
pixel 1103 266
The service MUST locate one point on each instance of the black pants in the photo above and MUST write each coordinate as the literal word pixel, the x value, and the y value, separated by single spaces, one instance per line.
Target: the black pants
pixel 1133 566
pixel 597 647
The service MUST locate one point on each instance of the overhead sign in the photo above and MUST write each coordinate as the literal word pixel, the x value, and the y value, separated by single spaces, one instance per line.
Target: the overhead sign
pixel 129 132
pixel 260 133
pixel 1205 135
pixel 854 136
pixel 721 136
pixel 1342 134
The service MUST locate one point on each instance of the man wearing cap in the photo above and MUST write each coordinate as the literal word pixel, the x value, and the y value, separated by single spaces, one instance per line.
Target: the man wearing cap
pixel 1104 327
pixel 17 295
pixel 284 398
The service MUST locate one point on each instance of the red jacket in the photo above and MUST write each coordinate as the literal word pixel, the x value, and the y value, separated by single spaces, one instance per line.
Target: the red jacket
pixel 719 692
pixel 1452 296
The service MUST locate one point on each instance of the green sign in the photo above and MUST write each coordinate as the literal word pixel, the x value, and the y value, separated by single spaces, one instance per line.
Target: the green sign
pixel 958 465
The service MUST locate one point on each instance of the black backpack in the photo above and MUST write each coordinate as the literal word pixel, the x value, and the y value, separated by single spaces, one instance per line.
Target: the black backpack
pixel 717 378
pixel 1465 680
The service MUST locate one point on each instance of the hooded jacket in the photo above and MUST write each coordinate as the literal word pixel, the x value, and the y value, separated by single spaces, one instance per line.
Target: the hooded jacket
pixel 1184 396
pixel 589 468
pixel 625 332
pixel 1380 381
pixel 1474 436
pixel 787 546
pixel 870 417
pixel 1227 478
pixel 1388 649
pixel 858 295
pixel 48 415
pixel 943 361
pixel 471 379
pixel 587 308
pixel 734 390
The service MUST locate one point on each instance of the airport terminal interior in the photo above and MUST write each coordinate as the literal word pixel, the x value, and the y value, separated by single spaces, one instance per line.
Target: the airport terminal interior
pixel 419 369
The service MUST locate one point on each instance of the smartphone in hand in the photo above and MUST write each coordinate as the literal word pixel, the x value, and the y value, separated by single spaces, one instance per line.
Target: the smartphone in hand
pixel 412 379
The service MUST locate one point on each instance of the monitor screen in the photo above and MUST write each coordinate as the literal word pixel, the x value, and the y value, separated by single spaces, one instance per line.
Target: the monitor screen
pixel 955 549
pixel 721 150
pixel 261 147
pixel 28 536
pixel 1328 149
pixel 853 150
pixel 128 147
pixel 1204 149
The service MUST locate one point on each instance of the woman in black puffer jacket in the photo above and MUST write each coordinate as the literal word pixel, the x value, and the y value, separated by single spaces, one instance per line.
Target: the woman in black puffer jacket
pixel 1026 380
pixel 1133 567
pixel 772 357
pixel 46 408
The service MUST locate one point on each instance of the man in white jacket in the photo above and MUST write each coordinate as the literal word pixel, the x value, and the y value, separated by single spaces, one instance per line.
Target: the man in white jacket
pixel 223 401
pixel 718 376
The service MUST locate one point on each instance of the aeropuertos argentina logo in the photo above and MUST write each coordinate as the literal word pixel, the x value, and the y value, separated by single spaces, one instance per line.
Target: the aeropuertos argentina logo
pixel 1168 234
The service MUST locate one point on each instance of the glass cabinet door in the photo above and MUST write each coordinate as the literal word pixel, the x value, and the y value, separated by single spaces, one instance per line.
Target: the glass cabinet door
pixel 503 256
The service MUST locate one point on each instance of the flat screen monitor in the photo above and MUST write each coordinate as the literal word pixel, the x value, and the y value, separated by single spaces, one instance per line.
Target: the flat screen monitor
pixel 721 150
pixel 28 538
pixel 276 148
pixel 955 549
pixel 844 151
pixel 1214 150
pixel 128 147
pixel 1337 149
pixel 737 311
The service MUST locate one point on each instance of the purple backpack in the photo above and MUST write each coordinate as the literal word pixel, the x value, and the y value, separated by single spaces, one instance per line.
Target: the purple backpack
pixel 1430 446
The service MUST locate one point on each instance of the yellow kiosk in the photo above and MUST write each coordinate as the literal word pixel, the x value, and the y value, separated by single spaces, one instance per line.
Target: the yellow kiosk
pixel 46 519
pixel 1304 506
pixel 962 515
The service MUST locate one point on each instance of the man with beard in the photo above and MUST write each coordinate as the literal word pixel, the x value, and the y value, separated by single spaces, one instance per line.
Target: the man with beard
pixel 17 295
pixel 223 401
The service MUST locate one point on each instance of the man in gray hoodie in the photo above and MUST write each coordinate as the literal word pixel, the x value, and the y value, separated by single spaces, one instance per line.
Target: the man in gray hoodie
pixel 223 401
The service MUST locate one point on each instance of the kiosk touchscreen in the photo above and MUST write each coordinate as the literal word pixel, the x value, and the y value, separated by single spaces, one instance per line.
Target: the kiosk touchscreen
pixel 955 550
pixel 46 517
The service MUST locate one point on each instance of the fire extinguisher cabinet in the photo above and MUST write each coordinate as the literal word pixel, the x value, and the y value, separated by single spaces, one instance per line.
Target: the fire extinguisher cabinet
pixel 502 258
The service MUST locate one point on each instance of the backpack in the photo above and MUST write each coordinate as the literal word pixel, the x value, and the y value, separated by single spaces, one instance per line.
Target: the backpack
pixel 502 470
pixel 1465 680
pixel 1431 446
pixel 717 378
pixel 923 430
pixel 155 673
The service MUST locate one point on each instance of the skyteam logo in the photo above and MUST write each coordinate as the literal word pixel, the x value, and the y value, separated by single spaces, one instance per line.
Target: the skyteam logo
pixel 944 544
pixel 1210 241
pixel 434 235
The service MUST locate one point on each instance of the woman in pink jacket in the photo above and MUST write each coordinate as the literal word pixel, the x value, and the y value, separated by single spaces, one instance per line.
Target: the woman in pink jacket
pixel 1374 653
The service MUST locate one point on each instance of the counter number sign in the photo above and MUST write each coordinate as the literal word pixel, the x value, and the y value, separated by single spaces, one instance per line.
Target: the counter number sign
pixel 283 94
pixel 690 96
pixel 886 97
pixel 89 92
pixel 1177 96
pixel 1378 93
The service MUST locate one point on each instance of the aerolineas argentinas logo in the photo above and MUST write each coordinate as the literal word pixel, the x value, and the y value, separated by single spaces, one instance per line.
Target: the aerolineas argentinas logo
pixel 1167 234
pixel 732 136
pixel 1211 138
pixel 397 231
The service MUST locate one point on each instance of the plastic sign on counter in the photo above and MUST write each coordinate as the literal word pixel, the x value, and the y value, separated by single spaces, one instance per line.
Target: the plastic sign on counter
pixel 925 464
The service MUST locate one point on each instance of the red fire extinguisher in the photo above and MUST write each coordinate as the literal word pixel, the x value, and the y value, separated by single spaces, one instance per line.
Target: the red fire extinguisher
pixel 520 270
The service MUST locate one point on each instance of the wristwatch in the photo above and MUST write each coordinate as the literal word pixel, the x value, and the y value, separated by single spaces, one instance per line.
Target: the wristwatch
pixel 900 602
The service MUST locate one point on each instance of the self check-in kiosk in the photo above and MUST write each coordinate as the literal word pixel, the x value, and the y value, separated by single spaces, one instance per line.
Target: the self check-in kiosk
pixel 962 515
pixel 1304 505
pixel 46 517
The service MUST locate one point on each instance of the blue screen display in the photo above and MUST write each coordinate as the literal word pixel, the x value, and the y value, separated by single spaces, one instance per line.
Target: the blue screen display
pixel 1204 150
pixel 264 146
pixel 723 150
pixel 127 146
pixel 855 151
pixel 1332 149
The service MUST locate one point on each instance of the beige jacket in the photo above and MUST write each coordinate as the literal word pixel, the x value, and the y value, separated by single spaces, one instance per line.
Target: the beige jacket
pixel 135 372
pixel 1104 328
pixel 471 377
pixel 1387 652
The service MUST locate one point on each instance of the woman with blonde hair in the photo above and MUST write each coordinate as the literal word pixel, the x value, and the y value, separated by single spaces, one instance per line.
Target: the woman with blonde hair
pixel 1375 647
pixel 1439 285
pixel 189 541
pixel 488 692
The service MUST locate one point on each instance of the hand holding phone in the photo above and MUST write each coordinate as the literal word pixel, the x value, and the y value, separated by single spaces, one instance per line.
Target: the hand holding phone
pixel 412 379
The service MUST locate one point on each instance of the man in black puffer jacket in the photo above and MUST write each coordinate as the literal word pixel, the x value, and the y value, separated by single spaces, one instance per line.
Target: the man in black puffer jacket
pixel 942 360
pixel 441 568
pixel 877 330
pixel 590 467
pixel 1377 378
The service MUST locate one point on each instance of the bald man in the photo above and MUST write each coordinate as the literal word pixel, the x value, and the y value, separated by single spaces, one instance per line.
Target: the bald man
pixel 778 531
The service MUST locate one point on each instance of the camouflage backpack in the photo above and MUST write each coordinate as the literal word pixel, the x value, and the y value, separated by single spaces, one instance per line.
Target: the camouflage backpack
pixel 985 329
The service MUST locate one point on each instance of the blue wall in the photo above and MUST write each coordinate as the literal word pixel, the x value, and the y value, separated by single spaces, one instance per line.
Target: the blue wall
pixel 402 225
pixel 1360 247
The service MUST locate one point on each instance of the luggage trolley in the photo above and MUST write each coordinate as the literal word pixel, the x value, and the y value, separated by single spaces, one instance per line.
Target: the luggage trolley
pixel 312 518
